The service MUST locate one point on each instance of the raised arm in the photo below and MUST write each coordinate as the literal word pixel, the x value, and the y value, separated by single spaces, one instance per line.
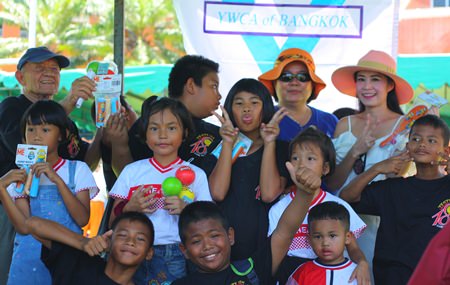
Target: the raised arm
pixel 352 192
pixel 364 142
pixel 270 181
pixel 362 271
pixel 116 133
pixel 82 87
pixel 219 179
pixel 308 183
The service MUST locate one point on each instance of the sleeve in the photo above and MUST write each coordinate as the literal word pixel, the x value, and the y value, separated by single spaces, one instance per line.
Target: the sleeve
pixel 122 186
pixel 276 211
pixel 357 226
pixel 200 186
pixel 372 198
pixel 10 116
pixel 84 180
pixel 298 277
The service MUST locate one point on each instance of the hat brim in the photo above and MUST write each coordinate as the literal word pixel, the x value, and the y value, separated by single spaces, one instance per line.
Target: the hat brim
pixel 268 78
pixel 344 81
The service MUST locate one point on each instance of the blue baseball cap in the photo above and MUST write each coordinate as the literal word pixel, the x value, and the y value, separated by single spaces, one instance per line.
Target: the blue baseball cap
pixel 40 54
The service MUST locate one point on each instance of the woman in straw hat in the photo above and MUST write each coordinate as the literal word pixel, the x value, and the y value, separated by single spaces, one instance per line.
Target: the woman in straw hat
pixel 294 83
pixel 357 138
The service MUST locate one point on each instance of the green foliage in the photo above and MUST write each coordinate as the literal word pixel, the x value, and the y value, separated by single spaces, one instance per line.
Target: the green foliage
pixel 83 30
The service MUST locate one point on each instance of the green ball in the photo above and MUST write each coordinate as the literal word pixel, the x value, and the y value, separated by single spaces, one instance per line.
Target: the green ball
pixel 171 186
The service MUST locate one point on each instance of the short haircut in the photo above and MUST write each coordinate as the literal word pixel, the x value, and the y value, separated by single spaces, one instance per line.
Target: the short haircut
pixel 136 217
pixel 434 122
pixel 189 66
pixel 329 211
pixel 155 104
pixel 344 112
pixel 199 211
pixel 319 138
pixel 252 86
pixel 46 112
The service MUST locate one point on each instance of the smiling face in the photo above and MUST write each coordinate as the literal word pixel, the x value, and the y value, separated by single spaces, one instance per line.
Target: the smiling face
pixel 372 88
pixel 164 136
pixel 328 239
pixel 130 243
pixel 40 80
pixel 425 143
pixel 208 245
pixel 294 91
pixel 309 155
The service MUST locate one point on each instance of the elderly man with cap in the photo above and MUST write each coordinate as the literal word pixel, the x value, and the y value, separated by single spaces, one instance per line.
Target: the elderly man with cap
pixel 294 83
pixel 38 71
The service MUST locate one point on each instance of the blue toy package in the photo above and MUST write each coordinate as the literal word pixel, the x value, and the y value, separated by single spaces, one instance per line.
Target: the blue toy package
pixel 240 148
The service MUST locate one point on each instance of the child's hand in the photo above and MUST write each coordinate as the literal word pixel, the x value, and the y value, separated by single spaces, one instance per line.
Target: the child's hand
pixel 227 131
pixel 305 179
pixel 97 245
pixel 174 205
pixel 14 175
pixel 444 159
pixel 393 165
pixel 45 168
pixel 361 274
pixel 139 202
pixel 115 131
pixel 365 141
pixel 270 131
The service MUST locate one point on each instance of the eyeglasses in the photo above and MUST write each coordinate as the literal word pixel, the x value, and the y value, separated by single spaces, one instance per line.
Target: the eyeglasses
pixel 288 77
pixel 360 164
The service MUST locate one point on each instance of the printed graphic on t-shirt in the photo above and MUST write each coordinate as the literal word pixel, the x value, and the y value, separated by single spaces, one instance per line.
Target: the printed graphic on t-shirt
pixel 153 188
pixel 443 214
pixel 200 147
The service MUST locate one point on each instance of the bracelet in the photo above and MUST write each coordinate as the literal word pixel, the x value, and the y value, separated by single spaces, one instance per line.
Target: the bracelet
pixel 119 208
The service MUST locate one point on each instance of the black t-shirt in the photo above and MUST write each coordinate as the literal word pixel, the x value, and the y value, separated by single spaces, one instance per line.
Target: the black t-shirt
pixel 203 142
pixel 262 266
pixel 412 212
pixel 69 266
pixel 11 111
pixel 243 207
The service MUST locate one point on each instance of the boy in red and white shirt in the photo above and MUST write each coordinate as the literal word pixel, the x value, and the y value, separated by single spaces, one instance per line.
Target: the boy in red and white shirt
pixel 328 225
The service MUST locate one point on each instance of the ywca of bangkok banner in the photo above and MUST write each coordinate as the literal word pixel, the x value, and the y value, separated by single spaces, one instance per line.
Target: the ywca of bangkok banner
pixel 245 37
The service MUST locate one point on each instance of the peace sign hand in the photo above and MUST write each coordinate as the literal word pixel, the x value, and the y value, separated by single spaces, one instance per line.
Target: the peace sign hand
pixel 270 131
pixel 227 131
pixel 366 140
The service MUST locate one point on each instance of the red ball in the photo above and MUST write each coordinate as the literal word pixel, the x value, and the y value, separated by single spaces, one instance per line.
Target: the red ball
pixel 186 175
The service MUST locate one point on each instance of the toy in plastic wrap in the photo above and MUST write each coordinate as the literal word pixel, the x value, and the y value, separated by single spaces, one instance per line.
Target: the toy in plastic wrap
pixel 240 148
pixel 27 155
pixel 171 186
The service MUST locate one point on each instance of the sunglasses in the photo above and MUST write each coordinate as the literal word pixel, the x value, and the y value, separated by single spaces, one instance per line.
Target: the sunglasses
pixel 288 77
pixel 360 164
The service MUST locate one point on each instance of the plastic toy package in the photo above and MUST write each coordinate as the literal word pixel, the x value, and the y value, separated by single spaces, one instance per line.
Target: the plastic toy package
pixel 26 156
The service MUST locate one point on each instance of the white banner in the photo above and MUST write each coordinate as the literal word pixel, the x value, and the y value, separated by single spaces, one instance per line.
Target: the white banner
pixel 246 36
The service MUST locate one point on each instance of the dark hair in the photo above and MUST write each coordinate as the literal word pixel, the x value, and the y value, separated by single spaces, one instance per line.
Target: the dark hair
pixel 155 104
pixel 329 211
pixel 252 86
pixel 434 122
pixel 46 112
pixel 199 211
pixel 189 66
pixel 319 138
pixel 344 112
pixel 136 217
pixel 392 99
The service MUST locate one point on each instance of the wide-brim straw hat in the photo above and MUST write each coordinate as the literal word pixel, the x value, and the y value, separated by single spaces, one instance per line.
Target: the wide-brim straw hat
pixel 377 61
pixel 284 58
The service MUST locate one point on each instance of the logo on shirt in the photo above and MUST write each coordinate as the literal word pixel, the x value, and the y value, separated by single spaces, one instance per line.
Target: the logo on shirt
pixel 441 217
pixel 200 147
pixel 258 193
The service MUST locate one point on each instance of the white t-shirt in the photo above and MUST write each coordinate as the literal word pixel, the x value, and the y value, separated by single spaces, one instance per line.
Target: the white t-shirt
pixel 150 172
pixel 83 180
pixel 300 245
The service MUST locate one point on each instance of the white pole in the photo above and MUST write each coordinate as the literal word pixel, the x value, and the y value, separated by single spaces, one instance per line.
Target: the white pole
pixel 32 24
